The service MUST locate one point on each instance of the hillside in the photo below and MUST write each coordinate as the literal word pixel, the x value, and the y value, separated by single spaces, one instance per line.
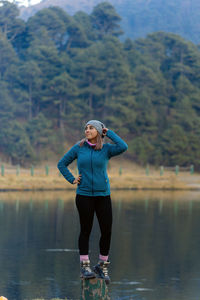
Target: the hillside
pixel 58 71
pixel 139 17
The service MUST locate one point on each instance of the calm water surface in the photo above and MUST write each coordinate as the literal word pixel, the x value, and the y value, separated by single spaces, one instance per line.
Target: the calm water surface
pixel 155 250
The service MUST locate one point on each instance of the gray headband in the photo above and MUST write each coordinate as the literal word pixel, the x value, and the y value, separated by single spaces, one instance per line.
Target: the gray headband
pixel 97 124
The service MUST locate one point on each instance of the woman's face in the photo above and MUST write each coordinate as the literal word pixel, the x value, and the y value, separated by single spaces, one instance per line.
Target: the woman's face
pixel 90 132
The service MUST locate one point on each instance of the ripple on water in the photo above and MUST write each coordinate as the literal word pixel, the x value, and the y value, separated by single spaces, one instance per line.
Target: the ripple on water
pixel 126 282
pixel 49 279
pixel 175 278
pixel 62 250
pixel 20 282
pixel 144 289
pixel 129 297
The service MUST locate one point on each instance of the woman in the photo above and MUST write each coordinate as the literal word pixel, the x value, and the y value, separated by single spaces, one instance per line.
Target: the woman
pixel 93 191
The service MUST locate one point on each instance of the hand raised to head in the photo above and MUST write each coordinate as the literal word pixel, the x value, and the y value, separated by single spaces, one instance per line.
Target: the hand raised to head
pixel 104 131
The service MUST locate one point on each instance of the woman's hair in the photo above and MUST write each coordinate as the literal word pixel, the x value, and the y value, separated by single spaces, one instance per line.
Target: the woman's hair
pixel 99 143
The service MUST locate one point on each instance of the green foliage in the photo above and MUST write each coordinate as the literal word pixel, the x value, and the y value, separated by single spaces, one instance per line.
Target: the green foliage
pixel 58 71
pixel 10 25
pixel 38 131
pixel 16 143
pixel 141 17
pixel 7 56
pixel 105 20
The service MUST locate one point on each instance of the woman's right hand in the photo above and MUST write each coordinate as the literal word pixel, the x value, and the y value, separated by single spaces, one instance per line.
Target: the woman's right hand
pixel 77 180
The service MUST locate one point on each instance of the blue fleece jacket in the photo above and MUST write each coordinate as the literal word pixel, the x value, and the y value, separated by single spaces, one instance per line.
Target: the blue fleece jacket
pixel 92 165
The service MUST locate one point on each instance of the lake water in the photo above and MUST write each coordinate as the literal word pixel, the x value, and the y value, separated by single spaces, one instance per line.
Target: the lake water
pixel 155 249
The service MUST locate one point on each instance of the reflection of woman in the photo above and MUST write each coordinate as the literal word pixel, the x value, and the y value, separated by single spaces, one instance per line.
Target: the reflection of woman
pixel 93 191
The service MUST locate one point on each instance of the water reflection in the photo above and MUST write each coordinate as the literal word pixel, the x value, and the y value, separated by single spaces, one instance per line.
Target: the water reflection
pixel 154 253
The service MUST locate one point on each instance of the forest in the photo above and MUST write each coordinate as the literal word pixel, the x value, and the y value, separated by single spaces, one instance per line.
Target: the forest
pixel 57 71
pixel 139 17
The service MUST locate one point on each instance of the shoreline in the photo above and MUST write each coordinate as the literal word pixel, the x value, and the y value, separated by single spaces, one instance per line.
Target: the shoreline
pixel 127 182
pixel 113 189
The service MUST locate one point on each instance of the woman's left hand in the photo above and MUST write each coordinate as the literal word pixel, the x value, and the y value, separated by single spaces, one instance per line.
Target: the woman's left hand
pixel 104 131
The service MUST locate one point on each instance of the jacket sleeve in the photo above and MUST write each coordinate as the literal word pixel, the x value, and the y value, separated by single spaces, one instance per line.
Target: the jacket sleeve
pixel 65 161
pixel 119 145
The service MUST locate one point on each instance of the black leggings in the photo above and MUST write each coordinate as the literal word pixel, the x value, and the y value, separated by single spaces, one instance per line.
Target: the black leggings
pixel 87 206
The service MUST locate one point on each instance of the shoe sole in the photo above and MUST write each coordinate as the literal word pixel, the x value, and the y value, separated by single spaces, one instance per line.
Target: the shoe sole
pixel 100 274
pixel 88 277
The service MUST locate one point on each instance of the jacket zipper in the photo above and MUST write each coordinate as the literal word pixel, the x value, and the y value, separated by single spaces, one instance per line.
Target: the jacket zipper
pixel 92 171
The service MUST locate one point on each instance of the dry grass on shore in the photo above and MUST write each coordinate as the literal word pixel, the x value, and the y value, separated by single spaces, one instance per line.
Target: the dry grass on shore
pixel 122 174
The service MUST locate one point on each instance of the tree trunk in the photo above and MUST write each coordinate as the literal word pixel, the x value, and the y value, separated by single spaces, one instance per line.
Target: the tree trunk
pixel 104 111
pixel 30 101
pixel 90 100
pixel 61 112
pixel 94 289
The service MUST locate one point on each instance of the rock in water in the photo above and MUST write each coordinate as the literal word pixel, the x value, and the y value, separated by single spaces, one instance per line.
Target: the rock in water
pixel 94 289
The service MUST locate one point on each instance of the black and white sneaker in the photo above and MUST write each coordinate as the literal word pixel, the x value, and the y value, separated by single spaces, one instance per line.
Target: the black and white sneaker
pixel 101 269
pixel 85 270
